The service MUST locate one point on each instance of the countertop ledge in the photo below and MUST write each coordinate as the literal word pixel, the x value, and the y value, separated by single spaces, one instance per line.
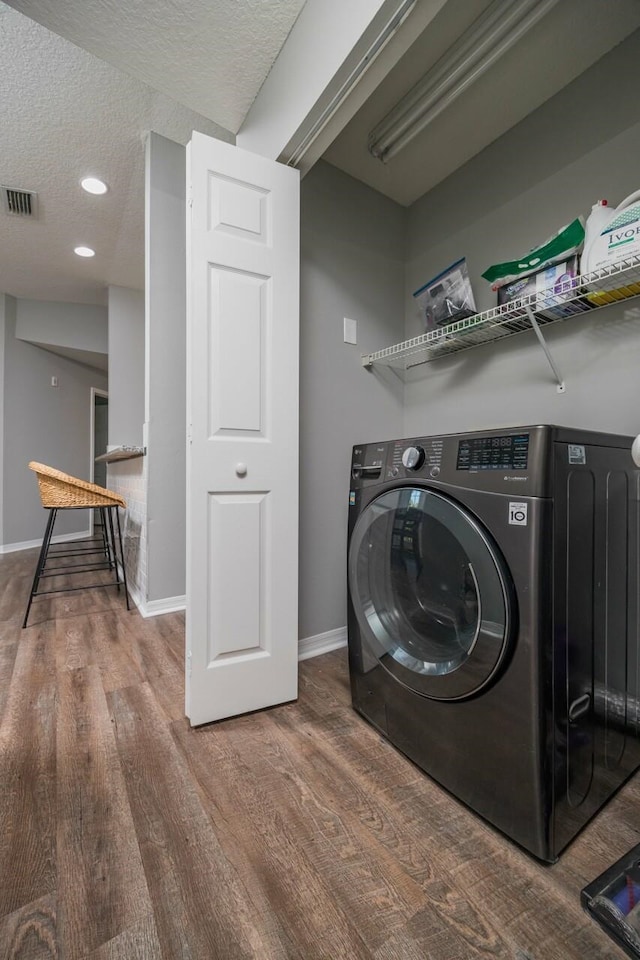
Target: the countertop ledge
pixel 121 453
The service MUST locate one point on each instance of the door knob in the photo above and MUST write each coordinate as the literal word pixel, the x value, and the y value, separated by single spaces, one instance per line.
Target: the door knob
pixel 241 469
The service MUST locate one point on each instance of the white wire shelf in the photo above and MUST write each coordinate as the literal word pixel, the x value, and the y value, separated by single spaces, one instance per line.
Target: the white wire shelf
pixel 590 291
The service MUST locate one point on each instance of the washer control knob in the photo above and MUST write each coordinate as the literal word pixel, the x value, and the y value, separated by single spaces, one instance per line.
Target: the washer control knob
pixel 434 472
pixel 413 458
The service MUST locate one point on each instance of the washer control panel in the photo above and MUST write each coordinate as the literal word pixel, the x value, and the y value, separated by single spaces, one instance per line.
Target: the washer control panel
pixel 500 461
pixel 507 452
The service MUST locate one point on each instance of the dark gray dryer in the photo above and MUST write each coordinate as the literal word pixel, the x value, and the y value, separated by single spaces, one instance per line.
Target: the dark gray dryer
pixel 493 618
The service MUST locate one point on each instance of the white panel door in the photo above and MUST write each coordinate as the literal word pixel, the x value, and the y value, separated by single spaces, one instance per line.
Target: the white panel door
pixel 243 263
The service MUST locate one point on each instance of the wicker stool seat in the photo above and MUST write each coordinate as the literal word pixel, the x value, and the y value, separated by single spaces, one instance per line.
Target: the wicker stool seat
pixel 60 491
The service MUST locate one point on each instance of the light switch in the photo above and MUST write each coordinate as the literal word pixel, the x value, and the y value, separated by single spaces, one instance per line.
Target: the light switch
pixel 350 331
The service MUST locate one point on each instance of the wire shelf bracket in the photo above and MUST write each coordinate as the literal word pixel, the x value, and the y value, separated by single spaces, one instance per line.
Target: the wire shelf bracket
pixel 543 343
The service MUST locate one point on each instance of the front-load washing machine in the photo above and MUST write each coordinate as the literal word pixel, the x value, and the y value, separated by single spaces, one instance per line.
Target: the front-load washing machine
pixel 494 618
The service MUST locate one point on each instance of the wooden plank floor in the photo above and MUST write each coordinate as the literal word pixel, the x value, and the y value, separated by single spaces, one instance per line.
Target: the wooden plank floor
pixel 296 832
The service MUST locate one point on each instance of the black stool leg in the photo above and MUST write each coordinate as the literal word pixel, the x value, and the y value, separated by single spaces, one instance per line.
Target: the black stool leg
pixel 109 512
pixel 105 539
pixel 124 569
pixel 42 559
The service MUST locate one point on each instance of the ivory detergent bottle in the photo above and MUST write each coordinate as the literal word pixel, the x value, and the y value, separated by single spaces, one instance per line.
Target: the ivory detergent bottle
pixel 612 236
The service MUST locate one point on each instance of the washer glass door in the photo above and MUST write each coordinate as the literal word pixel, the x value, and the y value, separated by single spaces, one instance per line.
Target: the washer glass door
pixel 431 592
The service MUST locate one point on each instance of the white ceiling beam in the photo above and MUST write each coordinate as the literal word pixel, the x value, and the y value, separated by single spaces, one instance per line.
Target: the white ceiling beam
pixel 328 41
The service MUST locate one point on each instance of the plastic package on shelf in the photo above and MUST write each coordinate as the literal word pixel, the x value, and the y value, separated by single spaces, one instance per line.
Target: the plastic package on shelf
pixel 564 244
pixel 446 298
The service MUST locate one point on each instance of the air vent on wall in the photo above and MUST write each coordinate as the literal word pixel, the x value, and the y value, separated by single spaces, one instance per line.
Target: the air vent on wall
pixel 19 203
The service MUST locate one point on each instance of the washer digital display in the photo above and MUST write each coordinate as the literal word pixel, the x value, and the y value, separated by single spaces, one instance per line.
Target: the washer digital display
pixel 494 453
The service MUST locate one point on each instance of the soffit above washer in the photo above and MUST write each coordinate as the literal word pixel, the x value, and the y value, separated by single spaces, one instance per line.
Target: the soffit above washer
pixel 570 38
pixel 210 55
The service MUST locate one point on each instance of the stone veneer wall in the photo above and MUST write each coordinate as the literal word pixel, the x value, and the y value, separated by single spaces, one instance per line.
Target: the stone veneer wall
pixel 129 479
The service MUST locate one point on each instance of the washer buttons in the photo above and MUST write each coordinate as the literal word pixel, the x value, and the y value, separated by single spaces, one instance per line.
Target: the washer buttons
pixel 434 472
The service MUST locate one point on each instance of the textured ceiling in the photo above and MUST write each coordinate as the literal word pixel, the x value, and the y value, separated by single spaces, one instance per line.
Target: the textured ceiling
pixel 210 55
pixel 164 65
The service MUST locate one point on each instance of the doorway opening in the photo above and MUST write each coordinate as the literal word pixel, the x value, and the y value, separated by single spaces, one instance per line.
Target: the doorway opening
pixel 99 435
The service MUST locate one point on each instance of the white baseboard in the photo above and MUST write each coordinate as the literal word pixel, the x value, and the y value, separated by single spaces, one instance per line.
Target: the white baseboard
pixel 322 643
pixel 155 608
pixel 308 647
pixel 30 544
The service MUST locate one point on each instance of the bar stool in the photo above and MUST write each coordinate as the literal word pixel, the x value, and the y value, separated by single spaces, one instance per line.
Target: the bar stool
pixel 59 491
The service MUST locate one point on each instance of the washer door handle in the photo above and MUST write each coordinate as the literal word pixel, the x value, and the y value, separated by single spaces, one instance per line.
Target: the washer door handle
pixel 579 707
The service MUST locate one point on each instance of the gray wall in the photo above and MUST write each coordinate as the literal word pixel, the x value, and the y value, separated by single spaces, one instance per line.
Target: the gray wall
pixel 352 266
pixel 580 146
pixel 165 367
pixel 82 326
pixel 126 366
pixel 44 423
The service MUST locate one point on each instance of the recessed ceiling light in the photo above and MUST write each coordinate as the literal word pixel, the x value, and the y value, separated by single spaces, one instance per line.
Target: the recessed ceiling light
pixel 93 185
pixel 84 252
